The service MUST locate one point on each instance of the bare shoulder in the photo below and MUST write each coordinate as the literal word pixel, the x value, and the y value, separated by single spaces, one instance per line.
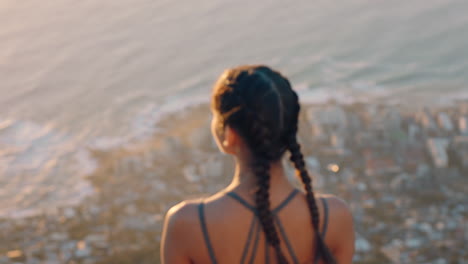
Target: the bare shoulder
pixel 340 218
pixel 182 214
pixel 186 212
pixel 178 225
pixel 337 206
pixel 340 235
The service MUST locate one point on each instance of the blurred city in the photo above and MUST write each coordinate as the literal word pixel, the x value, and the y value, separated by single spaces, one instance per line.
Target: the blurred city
pixel 402 171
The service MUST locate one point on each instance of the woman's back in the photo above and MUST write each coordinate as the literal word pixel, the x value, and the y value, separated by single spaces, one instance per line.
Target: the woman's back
pixel 221 229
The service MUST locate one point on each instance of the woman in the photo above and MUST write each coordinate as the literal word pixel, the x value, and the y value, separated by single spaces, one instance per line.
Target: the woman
pixel 260 217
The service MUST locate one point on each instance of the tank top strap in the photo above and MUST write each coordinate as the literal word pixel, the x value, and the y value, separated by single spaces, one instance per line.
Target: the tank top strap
pixel 253 227
pixel 236 197
pixel 286 201
pixel 206 237
pixel 325 225
pixel 286 240
pixel 325 217
pixel 252 208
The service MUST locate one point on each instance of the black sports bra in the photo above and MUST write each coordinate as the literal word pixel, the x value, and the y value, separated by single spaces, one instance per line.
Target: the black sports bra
pixel 255 229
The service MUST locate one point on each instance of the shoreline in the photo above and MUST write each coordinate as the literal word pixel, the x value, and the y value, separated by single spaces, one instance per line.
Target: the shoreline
pixel 42 198
pixel 137 183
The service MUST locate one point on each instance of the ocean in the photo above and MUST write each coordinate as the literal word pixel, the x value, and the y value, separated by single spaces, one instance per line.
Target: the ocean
pixel 80 75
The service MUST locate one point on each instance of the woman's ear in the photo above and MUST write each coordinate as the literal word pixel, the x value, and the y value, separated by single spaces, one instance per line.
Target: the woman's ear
pixel 230 140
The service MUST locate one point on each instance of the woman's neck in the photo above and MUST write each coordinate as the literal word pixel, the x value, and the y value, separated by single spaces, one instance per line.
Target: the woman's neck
pixel 245 180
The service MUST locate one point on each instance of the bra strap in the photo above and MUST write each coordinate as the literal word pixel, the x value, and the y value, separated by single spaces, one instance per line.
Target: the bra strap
pixel 325 217
pixel 201 215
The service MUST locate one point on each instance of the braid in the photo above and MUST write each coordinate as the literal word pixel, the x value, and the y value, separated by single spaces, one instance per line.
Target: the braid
pixel 298 160
pixel 265 151
pixel 261 106
pixel 262 200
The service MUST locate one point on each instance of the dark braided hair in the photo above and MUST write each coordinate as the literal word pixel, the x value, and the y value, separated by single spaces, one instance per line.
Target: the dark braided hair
pixel 260 105
pixel 298 160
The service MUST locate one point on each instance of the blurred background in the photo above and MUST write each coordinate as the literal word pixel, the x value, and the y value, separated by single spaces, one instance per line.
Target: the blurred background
pixel 104 118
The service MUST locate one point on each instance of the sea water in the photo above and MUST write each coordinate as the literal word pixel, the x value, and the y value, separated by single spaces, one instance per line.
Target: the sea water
pixel 78 75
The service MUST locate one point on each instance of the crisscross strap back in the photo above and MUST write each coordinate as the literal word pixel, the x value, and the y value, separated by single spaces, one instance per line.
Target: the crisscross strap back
pixel 255 229
pixel 278 208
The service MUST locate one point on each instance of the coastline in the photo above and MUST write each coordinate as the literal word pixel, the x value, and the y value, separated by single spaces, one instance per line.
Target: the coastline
pixel 373 156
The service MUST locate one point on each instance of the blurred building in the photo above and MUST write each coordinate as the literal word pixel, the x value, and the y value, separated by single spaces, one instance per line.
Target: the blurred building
pixel 463 125
pixel 437 148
